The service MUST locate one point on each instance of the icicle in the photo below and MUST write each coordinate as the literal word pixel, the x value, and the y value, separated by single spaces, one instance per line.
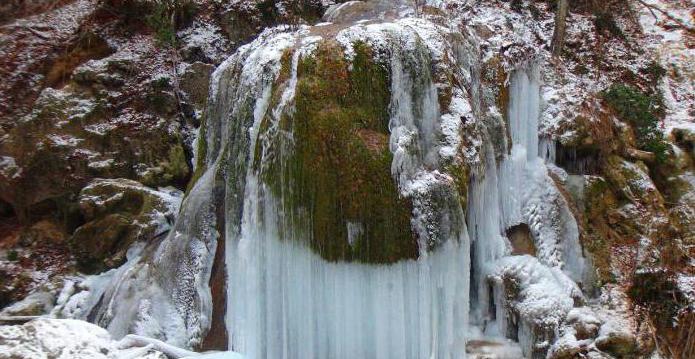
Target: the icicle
pixel 284 301
pixel 520 190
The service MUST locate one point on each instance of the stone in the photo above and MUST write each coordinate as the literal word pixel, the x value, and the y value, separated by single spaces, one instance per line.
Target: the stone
pixel 584 322
pixel 195 82
pixel 620 344
pixel 521 239
pixel 118 213
pixel 37 303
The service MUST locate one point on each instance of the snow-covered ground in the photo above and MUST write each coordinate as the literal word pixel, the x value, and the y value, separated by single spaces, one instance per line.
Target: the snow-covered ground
pixel 45 338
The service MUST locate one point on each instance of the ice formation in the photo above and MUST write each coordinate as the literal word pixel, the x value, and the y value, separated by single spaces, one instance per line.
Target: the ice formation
pixel 284 301
pixel 520 190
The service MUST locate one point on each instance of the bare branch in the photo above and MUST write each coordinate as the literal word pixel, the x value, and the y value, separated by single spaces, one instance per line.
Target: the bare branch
pixel 678 21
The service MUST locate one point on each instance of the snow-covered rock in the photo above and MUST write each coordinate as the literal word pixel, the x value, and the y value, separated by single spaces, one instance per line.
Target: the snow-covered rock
pixel 46 338
pixel 64 339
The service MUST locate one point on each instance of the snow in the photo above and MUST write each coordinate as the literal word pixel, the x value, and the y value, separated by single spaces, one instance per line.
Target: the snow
pixel 546 295
pixel 451 124
pixel 76 339
pixel 104 164
pixel 206 37
pixel 9 168
pixel 61 339
pixel 671 49
pixel 161 218
pixel 686 284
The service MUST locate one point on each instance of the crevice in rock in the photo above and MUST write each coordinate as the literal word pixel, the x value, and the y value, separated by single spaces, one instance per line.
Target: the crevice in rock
pixel 578 160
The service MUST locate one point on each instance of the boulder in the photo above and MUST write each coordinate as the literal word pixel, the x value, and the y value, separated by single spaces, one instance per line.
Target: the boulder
pixel 118 213
pixel 37 303
pixel 584 322
pixel 620 344
pixel 195 82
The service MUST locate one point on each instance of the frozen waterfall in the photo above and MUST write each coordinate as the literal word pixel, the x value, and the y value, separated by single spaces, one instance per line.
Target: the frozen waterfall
pixel 285 301
pixel 520 190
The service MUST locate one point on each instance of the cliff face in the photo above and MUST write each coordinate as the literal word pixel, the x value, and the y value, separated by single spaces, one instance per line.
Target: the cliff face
pixel 439 149
pixel 97 89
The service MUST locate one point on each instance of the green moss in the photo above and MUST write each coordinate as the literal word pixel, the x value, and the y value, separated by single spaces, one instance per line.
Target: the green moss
pixel 166 17
pixel 201 155
pixel 176 167
pixel 599 201
pixel 655 71
pixel 462 178
pixel 640 111
pixel 285 66
pixel 339 169
pixel 113 224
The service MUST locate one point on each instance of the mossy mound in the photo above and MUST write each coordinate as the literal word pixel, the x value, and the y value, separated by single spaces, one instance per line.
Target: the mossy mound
pixel 337 177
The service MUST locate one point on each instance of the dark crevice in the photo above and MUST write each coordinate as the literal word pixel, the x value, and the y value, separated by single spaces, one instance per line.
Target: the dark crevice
pixel 578 160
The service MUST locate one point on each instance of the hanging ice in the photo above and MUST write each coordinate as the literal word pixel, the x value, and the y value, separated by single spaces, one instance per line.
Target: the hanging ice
pixel 285 301
pixel 517 191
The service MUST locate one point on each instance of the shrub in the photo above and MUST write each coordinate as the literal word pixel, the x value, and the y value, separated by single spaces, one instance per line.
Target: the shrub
pixel 639 110
pixel 656 290
pixel 161 23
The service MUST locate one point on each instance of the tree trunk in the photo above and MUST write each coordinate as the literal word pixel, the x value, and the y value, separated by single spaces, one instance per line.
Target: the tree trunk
pixel 560 27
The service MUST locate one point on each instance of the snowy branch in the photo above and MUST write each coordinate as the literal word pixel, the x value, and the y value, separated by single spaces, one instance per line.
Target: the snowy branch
pixel 680 23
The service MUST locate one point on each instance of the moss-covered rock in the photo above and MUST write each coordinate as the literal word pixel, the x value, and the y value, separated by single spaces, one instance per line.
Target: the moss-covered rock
pixel 599 200
pixel 339 169
pixel 118 212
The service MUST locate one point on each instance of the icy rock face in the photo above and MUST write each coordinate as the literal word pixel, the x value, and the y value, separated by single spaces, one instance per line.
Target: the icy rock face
pixel 531 301
pixel 162 291
pixel 522 297
pixel 335 163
